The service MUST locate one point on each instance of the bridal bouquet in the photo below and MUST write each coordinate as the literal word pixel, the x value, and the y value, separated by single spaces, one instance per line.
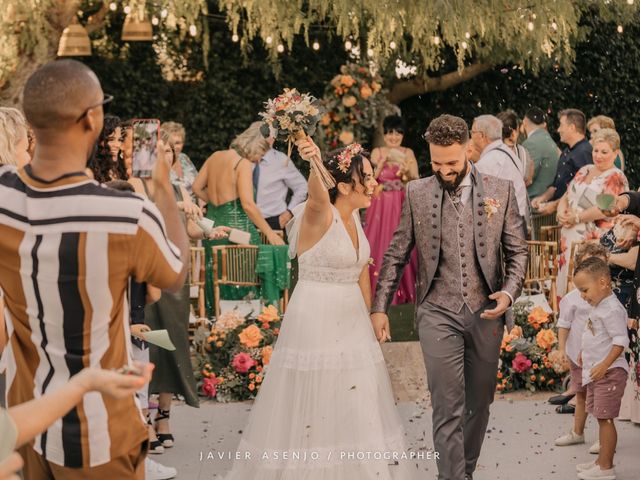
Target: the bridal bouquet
pixel 529 358
pixel 292 116
pixel 238 350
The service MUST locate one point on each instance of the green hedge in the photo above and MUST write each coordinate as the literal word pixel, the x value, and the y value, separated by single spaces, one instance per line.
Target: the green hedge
pixel 605 81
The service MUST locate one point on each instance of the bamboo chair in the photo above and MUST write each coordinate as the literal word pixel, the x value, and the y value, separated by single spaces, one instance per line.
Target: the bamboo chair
pixel 263 237
pixel 196 277
pixel 236 265
pixel 539 221
pixel 542 271
pixel 551 234
pixel 571 264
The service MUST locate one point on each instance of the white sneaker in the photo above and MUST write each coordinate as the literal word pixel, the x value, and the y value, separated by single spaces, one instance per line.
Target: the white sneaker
pixel 571 438
pixel 155 471
pixel 595 448
pixel 596 473
pixel 581 467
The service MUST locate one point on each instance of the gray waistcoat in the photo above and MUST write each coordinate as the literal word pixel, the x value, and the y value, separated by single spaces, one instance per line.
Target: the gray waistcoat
pixel 458 279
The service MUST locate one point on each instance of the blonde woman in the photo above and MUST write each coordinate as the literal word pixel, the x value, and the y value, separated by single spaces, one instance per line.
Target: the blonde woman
pixel 225 182
pixel 14 141
pixel 602 121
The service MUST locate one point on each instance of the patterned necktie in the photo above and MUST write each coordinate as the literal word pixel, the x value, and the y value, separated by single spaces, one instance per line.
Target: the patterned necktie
pixel 456 198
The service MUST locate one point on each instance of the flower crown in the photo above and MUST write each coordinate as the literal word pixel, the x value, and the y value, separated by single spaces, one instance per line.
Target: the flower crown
pixel 345 156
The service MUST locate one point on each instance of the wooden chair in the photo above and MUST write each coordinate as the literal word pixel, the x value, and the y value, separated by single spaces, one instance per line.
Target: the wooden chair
pixel 551 234
pixel 263 237
pixel 542 271
pixel 538 221
pixel 236 265
pixel 196 278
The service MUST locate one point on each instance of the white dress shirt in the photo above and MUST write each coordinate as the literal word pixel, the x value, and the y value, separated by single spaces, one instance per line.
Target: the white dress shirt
pixel 498 160
pixel 605 327
pixel 277 176
pixel 574 311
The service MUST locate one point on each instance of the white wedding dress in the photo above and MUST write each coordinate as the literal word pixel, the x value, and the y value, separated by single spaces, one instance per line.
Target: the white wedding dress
pixel 326 403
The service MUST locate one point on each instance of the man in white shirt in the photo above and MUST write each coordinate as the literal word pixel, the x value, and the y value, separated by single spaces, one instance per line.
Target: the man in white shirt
pixel 273 177
pixel 497 159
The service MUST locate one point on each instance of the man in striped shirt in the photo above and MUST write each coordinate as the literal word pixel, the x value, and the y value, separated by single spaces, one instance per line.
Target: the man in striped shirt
pixel 67 249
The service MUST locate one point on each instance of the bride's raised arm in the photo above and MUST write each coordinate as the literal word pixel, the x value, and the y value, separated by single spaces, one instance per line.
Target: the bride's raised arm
pixel 318 206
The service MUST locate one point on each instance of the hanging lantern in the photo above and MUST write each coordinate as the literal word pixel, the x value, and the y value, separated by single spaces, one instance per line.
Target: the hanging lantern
pixel 137 28
pixel 74 41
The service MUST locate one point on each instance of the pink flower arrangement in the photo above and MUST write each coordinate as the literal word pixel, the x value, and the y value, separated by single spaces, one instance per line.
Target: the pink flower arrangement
pixel 209 386
pixel 242 362
pixel 521 363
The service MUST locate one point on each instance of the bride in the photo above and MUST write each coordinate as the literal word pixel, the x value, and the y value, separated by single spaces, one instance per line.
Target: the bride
pixel 326 408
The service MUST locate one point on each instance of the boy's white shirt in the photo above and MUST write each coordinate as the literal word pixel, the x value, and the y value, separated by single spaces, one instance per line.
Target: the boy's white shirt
pixel 574 311
pixel 608 321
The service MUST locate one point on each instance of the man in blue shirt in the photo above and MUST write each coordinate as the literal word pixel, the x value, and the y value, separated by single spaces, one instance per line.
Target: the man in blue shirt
pixel 572 131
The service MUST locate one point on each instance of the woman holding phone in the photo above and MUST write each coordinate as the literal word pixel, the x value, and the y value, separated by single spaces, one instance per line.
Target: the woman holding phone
pixel 226 183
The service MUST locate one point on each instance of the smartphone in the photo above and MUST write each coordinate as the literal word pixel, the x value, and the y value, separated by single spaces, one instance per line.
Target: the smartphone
pixel 146 132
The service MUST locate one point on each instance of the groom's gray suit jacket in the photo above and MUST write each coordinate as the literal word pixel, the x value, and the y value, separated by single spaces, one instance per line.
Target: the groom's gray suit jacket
pixel 497 236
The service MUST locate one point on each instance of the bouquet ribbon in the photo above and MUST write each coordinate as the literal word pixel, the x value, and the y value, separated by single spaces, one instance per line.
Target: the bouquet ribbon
pixel 316 163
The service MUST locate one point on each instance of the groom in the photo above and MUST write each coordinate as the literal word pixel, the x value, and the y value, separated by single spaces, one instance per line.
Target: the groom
pixel 464 225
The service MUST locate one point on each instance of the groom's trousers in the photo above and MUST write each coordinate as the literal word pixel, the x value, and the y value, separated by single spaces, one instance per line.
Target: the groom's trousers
pixel 461 352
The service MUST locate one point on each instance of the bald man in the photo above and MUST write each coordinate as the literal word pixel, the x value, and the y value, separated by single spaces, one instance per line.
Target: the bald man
pixel 68 247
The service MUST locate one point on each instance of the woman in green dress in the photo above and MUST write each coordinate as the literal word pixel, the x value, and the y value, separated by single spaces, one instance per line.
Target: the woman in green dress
pixel 225 183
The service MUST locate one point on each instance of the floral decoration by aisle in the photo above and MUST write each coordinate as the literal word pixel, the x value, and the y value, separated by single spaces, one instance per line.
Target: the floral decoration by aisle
pixel 529 358
pixel 238 350
pixel 356 102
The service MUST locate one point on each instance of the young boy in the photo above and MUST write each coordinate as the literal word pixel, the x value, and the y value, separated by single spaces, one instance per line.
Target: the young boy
pixel 604 368
pixel 574 312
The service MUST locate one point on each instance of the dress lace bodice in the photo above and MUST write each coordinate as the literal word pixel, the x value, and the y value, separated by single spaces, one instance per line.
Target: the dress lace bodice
pixel 333 259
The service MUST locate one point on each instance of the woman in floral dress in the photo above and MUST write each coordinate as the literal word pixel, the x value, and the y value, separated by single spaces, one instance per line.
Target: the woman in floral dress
pixel 578 213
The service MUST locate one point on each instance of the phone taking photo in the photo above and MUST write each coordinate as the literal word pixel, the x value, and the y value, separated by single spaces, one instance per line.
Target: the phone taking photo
pixel 146 132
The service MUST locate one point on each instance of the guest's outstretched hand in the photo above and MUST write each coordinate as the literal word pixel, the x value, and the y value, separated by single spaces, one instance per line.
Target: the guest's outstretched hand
pixel 114 384
pixel 502 304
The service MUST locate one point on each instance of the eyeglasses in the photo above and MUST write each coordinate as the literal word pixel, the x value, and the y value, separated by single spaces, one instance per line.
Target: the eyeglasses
pixel 105 100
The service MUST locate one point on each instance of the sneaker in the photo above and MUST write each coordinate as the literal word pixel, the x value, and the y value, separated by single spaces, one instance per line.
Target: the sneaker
pixel 581 467
pixel 155 471
pixel 596 473
pixel 595 448
pixel 571 438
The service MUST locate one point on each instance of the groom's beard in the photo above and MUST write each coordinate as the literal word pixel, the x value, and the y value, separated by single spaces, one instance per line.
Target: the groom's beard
pixel 451 185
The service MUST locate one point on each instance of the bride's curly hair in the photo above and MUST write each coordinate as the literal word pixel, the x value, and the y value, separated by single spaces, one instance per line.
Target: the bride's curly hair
pixel 354 173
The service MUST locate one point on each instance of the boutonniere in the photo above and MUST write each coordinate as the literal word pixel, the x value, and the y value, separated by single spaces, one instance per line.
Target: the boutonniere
pixel 491 206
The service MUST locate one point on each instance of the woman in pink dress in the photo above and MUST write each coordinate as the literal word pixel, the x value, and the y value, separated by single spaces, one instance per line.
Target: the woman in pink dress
pixel 394 167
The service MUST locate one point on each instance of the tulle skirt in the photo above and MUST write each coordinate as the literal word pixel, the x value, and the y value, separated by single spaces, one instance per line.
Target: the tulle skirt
pixel 325 409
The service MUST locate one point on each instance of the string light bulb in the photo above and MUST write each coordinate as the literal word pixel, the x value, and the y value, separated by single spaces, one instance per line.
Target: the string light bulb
pixel 348 45
pixel 392 45
pixel 316 45
pixel 164 13
pixel 436 40
pixel 280 48
pixel 234 38
pixel 630 2
pixel 620 29
pixel 127 9
pixel 370 52
pixel 554 25
pixel 530 26
pixel 269 40
pixel 113 6
pixel 464 45
pixel 155 21
pixel 467 35
pixel 193 31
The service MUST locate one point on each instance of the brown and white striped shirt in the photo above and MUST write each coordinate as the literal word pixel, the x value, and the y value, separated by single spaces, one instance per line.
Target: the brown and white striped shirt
pixel 67 250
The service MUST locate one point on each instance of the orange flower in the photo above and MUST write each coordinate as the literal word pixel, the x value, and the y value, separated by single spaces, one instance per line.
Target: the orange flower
pixel 269 314
pixel 516 332
pixel 546 339
pixel 347 81
pixel 252 375
pixel 506 339
pixel 326 119
pixel 219 344
pixel 499 387
pixel 542 378
pixel 251 336
pixel 346 137
pixel 349 101
pixel 375 86
pixel 365 91
pixel 532 378
pixel 258 379
pixel 266 354
pixel 534 366
pixel 551 382
pixel 252 386
pixel 499 375
pixel 509 348
pixel 537 317
pixel 259 368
